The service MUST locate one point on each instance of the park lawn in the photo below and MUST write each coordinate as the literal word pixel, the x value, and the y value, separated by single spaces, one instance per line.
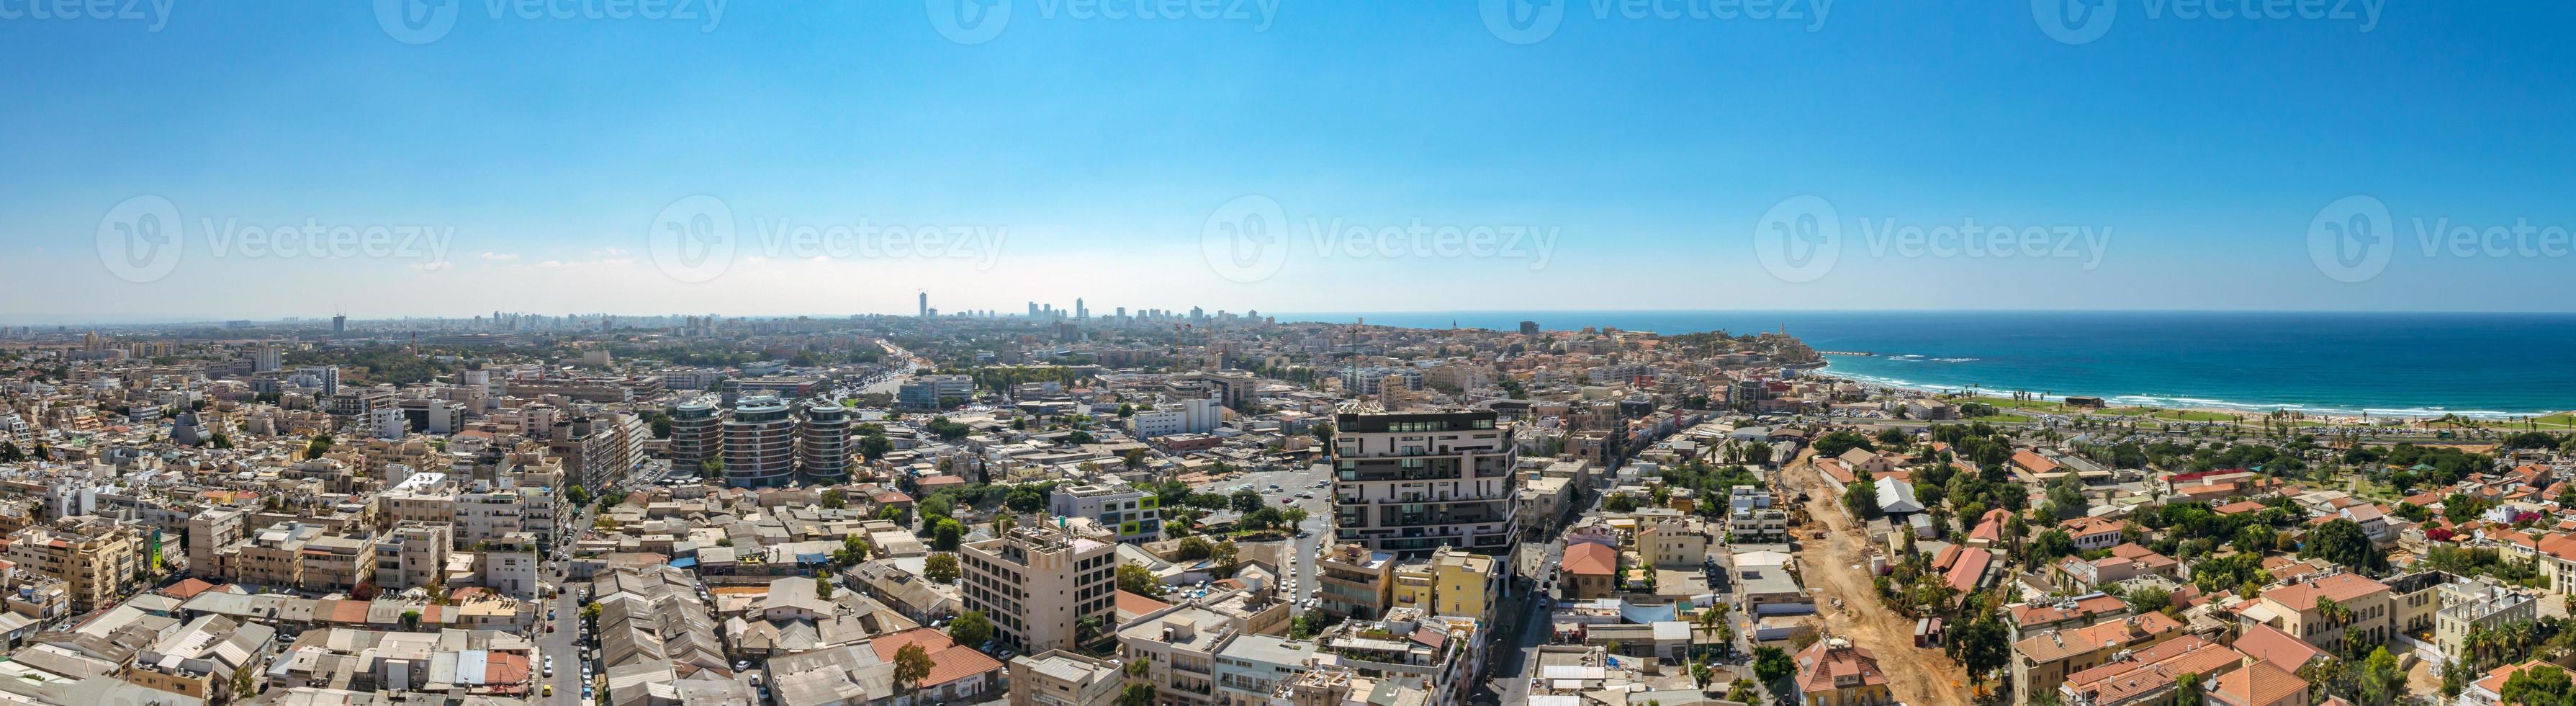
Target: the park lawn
pixel 2555 421
pixel 2181 415
pixel 2010 403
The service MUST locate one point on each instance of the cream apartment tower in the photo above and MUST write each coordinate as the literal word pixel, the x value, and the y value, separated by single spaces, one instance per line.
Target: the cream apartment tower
pixel 1038 583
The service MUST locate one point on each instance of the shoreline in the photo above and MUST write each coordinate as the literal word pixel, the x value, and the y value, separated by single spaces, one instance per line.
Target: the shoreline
pixel 2251 412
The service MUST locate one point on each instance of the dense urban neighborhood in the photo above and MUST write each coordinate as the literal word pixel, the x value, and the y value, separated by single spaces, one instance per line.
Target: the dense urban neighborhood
pixel 1074 507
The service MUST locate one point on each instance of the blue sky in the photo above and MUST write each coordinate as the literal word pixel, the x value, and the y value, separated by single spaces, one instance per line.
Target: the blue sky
pixel 2171 162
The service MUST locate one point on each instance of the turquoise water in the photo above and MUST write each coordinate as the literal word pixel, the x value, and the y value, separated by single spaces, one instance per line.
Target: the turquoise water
pixel 2409 364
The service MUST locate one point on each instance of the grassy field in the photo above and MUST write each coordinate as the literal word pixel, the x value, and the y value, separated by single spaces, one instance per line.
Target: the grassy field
pixel 2010 403
pixel 2558 421
pixel 2007 417
pixel 2180 415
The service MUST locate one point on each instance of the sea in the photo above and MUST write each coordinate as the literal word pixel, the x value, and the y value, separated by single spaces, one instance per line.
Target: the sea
pixel 2490 365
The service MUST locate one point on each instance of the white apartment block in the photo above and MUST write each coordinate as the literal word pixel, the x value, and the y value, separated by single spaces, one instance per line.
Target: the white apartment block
pixel 1413 482
pixel 1191 416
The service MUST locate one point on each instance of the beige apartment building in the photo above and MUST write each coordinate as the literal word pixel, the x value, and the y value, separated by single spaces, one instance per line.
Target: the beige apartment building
pixel 273 557
pixel 2365 610
pixel 97 559
pixel 1037 584
pixel 413 555
pixel 1060 678
pixel 209 531
pixel 1179 649
pixel 337 563
pixel 1356 582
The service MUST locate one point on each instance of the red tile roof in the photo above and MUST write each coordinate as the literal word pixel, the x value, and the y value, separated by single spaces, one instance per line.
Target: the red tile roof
pixel 949 661
pixel 2269 644
pixel 1827 665
pixel 1970 570
pixel 2257 685
pixel 1133 604
pixel 1591 559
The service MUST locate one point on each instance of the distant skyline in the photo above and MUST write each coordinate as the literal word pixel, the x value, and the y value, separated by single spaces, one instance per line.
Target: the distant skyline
pixel 1576 161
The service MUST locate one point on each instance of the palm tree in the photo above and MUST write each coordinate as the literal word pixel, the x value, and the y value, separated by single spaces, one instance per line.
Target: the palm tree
pixel 2333 613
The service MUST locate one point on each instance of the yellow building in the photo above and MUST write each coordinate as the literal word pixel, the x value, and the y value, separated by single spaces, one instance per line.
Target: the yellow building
pixel 1674 543
pixel 2363 609
pixel 99 560
pixel 1413 586
pixel 1466 584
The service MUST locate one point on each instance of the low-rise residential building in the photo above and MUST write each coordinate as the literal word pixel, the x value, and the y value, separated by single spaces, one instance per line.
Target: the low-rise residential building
pixel 1060 678
pixel 1357 582
pixel 1834 672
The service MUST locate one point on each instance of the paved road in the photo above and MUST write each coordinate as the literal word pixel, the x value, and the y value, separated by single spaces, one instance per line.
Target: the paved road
pixel 567 655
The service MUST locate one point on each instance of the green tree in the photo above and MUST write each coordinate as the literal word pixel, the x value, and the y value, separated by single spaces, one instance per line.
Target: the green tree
pixel 875 446
pixel 834 500
pixel 946 535
pixel 971 629
pixel 1139 580
pixel 940 567
pixel 1246 500
pixel 2187 689
pixel 2050 545
pixel 1772 664
pixel 2544 685
pixel 1861 498
pixel 823 586
pixel 911 665
pixel 1835 443
pixel 2149 599
pixel 2382 682
pixel 1985 646
pixel 1137 694
pixel 1744 691
pixel 1026 497
pixel 2342 541
pixel 321 444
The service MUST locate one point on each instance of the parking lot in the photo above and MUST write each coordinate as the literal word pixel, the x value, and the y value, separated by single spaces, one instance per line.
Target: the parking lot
pixel 1300 551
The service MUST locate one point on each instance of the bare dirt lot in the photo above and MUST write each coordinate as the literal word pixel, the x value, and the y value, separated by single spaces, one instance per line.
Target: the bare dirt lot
pixel 1837 566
